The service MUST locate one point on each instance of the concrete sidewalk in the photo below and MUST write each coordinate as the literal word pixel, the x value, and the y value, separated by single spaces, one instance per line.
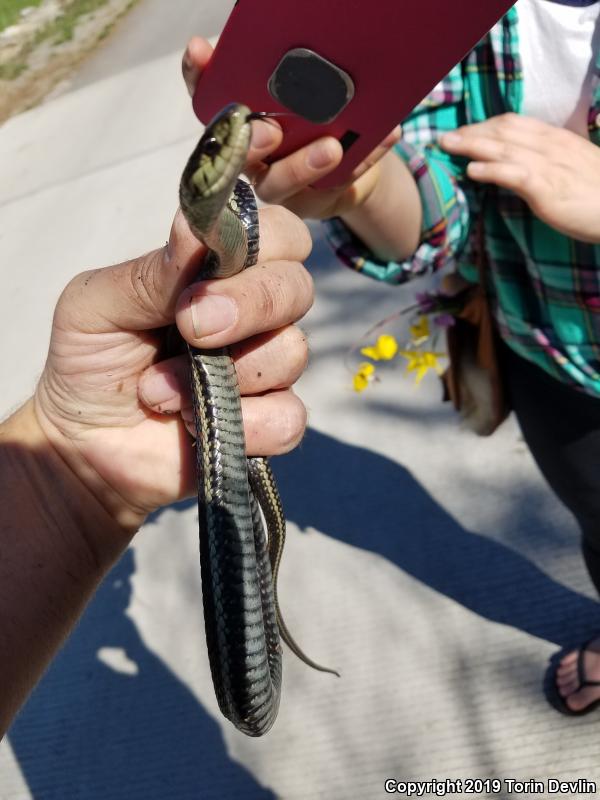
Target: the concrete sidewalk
pixel 433 569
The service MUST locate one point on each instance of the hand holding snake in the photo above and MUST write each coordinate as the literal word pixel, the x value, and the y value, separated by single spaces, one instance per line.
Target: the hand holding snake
pixel 111 403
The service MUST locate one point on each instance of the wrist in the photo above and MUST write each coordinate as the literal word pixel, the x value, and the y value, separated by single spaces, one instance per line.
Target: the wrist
pixel 390 217
pixel 57 544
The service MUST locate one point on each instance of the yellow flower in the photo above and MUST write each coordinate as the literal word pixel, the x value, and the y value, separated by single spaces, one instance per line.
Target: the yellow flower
pixel 385 349
pixel 421 362
pixel 420 330
pixel 364 376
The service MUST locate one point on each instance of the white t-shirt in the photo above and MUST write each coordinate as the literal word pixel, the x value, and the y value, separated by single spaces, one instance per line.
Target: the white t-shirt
pixel 557 46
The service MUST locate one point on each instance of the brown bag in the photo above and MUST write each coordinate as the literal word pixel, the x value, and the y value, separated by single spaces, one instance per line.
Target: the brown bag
pixel 473 380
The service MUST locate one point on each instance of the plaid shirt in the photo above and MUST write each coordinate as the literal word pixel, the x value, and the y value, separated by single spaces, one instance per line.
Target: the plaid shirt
pixel 545 287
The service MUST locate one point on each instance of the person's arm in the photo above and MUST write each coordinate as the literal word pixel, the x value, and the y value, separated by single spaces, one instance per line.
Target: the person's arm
pixel 56 544
pixel 375 221
pixel 104 442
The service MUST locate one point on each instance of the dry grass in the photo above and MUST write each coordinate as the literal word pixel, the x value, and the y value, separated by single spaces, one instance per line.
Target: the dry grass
pixel 10 11
pixel 54 50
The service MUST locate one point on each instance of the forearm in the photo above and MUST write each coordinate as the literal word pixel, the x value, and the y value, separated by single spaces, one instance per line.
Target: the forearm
pixel 389 221
pixel 56 544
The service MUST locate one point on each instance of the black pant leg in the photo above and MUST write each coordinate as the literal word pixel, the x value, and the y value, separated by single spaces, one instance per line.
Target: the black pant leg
pixel 561 426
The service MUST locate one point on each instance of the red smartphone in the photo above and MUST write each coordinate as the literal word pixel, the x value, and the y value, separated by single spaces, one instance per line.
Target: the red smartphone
pixel 352 69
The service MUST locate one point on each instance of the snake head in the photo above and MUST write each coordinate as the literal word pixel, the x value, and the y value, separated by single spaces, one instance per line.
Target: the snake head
pixel 213 168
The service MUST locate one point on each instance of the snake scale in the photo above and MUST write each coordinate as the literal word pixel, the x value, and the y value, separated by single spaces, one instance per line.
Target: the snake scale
pixel 239 560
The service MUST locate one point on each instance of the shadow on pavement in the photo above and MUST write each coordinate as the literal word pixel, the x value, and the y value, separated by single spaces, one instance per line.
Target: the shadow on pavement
pixel 90 732
pixel 368 501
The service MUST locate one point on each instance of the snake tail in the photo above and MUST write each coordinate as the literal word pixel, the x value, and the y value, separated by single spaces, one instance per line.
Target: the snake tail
pixel 264 487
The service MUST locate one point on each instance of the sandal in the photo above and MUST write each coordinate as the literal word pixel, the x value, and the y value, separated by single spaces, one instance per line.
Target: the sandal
pixel 561 704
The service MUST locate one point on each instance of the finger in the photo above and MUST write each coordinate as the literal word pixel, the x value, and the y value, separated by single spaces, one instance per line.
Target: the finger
pixel 266 138
pixel 266 297
pixel 342 199
pixel 530 184
pixel 266 134
pixel 142 294
pixel 514 176
pixel 320 203
pixel 487 148
pixel 378 153
pixel 521 125
pixel 290 175
pixel 283 236
pixel 165 387
pixel 273 424
pixel 274 360
pixel 139 294
pixel 325 203
pixel 515 129
pixel 197 55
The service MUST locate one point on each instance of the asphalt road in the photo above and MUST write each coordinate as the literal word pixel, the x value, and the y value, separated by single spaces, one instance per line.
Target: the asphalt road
pixel 153 28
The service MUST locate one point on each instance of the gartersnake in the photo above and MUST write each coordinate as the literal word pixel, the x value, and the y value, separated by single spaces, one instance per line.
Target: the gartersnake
pixel 239 563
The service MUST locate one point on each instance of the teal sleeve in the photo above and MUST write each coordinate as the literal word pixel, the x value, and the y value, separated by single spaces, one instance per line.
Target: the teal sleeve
pixel 438 177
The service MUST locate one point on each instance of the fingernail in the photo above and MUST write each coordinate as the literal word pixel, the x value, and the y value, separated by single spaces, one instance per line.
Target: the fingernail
pixel 319 156
pixel 187 414
pixel 156 389
pixel 263 135
pixel 451 138
pixel 476 168
pixel 212 313
pixel 190 72
pixel 174 234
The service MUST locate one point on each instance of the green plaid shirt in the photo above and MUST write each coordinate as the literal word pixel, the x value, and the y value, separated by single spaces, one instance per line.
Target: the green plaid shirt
pixel 545 286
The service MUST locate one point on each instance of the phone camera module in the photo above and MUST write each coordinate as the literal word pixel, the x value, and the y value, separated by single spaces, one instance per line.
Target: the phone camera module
pixel 311 86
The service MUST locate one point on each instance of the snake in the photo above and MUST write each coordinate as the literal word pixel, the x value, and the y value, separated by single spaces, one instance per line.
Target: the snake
pixel 239 554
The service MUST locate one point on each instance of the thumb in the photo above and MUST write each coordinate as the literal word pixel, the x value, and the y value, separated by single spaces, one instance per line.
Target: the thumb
pixel 197 55
pixel 136 295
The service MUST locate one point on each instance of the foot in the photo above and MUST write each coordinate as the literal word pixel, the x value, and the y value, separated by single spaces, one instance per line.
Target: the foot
pixel 577 687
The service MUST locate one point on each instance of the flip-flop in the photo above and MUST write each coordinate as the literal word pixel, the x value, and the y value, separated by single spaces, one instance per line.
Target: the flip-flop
pixel 560 702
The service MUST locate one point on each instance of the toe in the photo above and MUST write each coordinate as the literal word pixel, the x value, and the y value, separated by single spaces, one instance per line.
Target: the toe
pixel 569 659
pixel 582 698
pixel 567 678
pixel 567 688
pixel 566 672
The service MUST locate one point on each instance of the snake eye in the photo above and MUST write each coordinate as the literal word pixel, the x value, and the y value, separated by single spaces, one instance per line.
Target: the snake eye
pixel 211 147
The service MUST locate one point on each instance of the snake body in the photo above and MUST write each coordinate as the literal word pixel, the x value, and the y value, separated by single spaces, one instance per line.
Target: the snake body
pixel 238 561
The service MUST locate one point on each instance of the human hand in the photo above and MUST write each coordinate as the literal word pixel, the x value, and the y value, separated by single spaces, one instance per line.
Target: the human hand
pixel 555 171
pixel 288 182
pixel 117 414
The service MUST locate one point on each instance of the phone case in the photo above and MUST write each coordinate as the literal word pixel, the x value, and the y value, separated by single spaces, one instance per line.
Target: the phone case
pixel 394 52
